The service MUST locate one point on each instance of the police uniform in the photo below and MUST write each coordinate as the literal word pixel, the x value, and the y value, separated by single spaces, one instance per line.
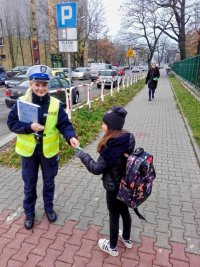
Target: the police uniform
pixel 40 149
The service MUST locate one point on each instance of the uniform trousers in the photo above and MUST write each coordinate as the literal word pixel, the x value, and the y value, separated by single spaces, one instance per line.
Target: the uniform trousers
pixel 30 168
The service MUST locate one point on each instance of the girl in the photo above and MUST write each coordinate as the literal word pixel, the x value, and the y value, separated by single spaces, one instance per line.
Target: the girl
pixel 113 147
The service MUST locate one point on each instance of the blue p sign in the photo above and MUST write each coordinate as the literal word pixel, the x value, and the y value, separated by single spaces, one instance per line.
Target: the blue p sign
pixel 66 15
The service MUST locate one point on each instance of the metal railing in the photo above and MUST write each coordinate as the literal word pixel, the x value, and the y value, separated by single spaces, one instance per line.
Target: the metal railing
pixel 126 82
pixel 188 69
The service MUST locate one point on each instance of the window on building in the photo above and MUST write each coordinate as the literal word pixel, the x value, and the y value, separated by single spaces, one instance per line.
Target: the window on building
pixel 35 31
pixel 35 46
pixel 1 25
pixel 36 61
pixel 1 41
pixel 2 57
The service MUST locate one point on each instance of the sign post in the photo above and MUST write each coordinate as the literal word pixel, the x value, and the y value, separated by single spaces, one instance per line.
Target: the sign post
pixel 130 53
pixel 67 30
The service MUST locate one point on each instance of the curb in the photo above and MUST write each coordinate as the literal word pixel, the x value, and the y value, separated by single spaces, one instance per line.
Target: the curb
pixel 7 139
pixel 192 140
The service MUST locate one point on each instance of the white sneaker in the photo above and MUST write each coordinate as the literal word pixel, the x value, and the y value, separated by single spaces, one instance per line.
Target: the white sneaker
pixel 104 245
pixel 127 243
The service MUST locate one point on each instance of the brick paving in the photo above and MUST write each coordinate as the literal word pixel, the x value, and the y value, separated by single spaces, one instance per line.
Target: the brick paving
pixel 170 238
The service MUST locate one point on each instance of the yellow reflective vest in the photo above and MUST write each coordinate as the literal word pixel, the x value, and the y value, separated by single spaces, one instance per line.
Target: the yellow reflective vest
pixel 26 143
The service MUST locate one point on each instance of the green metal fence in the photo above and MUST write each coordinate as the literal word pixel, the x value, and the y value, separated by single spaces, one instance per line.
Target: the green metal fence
pixel 188 69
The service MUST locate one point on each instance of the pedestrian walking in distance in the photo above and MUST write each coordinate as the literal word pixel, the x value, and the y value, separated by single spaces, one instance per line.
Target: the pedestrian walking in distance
pixel 38 142
pixel 152 80
pixel 111 163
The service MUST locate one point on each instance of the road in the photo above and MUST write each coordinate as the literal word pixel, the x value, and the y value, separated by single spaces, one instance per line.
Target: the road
pixel 4 131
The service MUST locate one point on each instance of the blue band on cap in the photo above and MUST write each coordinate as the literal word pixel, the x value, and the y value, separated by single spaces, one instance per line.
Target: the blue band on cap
pixel 39 76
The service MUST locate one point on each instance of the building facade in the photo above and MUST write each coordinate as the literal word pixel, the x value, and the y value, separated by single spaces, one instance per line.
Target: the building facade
pixel 20 43
pixel 29 34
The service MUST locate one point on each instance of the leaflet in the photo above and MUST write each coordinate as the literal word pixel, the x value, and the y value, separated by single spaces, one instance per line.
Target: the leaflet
pixel 28 112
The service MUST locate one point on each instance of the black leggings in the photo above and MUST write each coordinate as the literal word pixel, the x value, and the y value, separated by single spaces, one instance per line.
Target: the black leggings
pixel 116 208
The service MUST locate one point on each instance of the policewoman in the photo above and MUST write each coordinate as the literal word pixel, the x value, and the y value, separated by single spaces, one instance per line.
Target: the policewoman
pixel 38 143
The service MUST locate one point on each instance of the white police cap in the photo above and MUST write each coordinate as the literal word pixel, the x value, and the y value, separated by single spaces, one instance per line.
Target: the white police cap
pixel 39 73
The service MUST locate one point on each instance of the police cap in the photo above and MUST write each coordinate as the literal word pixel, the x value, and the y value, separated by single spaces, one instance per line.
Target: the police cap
pixel 39 73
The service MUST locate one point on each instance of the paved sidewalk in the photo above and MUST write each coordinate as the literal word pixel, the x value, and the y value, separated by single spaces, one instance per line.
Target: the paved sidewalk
pixel 170 238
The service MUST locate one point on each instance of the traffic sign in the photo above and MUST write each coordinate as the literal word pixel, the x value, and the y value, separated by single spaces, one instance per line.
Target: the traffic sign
pixel 130 53
pixel 66 15
pixel 67 34
pixel 68 46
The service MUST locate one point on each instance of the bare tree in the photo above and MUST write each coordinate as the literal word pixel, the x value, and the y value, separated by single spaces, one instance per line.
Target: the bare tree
pixel 177 27
pixel 20 36
pixel 44 16
pixel 140 22
pixel 96 28
pixel 10 33
pixel 197 23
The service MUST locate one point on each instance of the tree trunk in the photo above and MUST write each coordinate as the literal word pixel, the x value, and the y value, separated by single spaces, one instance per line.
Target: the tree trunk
pixel 198 46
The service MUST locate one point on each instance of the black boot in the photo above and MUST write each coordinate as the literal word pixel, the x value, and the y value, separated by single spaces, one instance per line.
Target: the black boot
pixel 51 215
pixel 29 222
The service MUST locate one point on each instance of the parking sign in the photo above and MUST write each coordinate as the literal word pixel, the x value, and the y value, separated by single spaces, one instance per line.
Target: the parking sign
pixel 66 15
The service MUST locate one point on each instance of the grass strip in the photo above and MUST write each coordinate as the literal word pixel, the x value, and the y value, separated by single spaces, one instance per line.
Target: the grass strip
pixel 87 124
pixel 190 107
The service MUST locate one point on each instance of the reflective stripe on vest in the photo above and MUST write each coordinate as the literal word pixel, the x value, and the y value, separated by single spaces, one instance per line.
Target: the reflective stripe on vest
pixel 26 143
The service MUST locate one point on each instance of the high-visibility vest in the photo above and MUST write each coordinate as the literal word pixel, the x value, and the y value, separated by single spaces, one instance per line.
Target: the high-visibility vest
pixel 26 143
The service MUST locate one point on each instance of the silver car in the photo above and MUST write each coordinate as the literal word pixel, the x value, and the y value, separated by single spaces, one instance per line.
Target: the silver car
pixel 107 77
pixel 81 73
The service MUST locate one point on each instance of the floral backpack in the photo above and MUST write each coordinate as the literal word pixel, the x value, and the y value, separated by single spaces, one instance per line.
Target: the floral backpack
pixel 136 185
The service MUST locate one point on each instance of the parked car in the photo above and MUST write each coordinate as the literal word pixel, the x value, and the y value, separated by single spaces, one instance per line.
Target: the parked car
pixel 55 83
pixel 81 73
pixel 135 69
pixel 96 67
pixel 3 75
pixel 60 73
pixel 121 72
pixel 15 80
pixel 65 70
pixel 108 76
pixel 16 70
pixel 143 67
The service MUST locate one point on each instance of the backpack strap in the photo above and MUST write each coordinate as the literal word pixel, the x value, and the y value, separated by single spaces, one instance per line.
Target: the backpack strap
pixel 139 215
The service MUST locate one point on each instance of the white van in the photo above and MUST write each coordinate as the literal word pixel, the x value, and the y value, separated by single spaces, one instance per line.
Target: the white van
pixel 96 67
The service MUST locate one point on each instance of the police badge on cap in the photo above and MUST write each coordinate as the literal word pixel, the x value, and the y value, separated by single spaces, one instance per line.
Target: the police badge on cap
pixel 39 73
pixel 43 69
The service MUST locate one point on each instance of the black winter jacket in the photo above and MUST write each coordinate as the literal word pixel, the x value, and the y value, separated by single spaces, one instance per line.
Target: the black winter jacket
pixel 111 162
pixel 152 73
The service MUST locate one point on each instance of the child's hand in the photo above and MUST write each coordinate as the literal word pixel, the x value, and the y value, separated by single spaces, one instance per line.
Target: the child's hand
pixel 79 151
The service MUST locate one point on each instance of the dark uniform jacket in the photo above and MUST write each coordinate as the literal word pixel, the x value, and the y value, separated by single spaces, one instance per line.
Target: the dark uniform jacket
pixel 111 162
pixel 63 125
pixel 152 73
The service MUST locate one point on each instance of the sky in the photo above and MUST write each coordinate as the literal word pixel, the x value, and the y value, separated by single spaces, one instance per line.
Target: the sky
pixel 112 15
